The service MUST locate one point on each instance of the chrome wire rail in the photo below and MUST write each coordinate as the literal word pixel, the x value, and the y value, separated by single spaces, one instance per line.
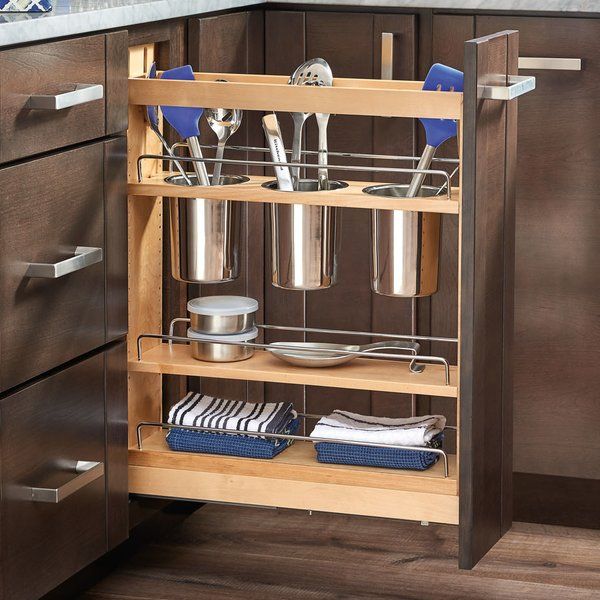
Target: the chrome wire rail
pixel 285 436
pixel 412 358
pixel 264 163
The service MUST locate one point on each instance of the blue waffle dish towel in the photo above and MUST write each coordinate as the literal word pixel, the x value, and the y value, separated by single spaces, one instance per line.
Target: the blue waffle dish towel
pixel 184 440
pixel 344 454
pixel 25 6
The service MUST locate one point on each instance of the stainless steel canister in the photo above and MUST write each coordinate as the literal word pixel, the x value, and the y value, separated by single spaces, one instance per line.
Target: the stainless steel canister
pixel 205 236
pixel 209 349
pixel 304 241
pixel 405 246
pixel 222 315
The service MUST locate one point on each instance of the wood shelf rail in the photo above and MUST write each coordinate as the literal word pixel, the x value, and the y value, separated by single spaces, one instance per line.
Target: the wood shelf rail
pixel 368 97
pixel 294 479
pixel 363 374
pixel 252 191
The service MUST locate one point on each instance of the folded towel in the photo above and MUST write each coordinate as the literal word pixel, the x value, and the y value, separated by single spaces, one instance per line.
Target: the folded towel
pixel 390 458
pixel 198 410
pixel 413 431
pixel 184 440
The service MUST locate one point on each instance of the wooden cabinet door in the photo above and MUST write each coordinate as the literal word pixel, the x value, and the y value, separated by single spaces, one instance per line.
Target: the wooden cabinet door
pixel 233 43
pixel 557 284
pixel 351 44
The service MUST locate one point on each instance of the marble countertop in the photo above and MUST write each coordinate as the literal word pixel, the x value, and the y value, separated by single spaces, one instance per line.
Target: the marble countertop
pixel 72 17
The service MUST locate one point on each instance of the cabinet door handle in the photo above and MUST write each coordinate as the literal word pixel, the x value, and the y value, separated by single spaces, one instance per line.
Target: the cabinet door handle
pixel 517 86
pixel 84 257
pixel 87 472
pixel 387 55
pixel 549 64
pixel 82 94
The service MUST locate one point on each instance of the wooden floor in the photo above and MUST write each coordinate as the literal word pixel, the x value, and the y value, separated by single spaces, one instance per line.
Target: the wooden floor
pixel 231 553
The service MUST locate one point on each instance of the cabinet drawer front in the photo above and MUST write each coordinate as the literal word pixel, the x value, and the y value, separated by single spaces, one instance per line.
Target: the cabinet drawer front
pixel 46 429
pixel 49 94
pixel 51 222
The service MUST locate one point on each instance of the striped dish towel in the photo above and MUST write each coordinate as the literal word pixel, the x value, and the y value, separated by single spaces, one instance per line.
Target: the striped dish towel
pixel 347 426
pixel 198 410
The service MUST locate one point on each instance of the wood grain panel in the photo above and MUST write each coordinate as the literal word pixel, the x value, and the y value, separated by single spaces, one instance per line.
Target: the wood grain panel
pixel 233 43
pixel 117 490
pixel 284 51
pixel 484 402
pixel 557 295
pixel 116 82
pixel 394 136
pixel 49 206
pixel 345 41
pixel 46 428
pixel 49 69
pixel 448 37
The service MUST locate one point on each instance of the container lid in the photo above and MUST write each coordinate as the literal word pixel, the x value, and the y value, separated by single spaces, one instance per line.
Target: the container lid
pixel 222 306
pixel 251 334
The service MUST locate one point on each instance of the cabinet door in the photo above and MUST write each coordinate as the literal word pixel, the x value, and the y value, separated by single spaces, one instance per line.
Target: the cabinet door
pixel 351 43
pixel 46 429
pixel 232 43
pixel 557 280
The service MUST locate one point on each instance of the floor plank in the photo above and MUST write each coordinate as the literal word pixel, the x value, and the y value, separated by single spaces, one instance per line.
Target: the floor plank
pixel 227 552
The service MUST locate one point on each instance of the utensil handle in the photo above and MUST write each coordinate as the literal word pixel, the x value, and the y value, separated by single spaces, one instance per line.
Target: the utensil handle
pixel 84 256
pixel 418 178
pixel 82 94
pixel 87 472
pixel 323 175
pixel 549 64
pixel 199 167
pixel 297 144
pixel 216 178
pixel 169 151
pixel 387 55
pixel 273 133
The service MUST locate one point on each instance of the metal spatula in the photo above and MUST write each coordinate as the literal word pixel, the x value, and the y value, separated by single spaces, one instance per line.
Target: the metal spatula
pixel 185 120
pixel 152 117
pixel 439 79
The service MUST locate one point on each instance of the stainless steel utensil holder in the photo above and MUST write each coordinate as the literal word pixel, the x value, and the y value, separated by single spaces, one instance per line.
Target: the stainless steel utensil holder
pixel 205 236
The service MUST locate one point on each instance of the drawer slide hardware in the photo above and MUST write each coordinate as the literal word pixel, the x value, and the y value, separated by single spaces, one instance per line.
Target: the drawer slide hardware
pixel 84 257
pixel 82 94
pixel 87 472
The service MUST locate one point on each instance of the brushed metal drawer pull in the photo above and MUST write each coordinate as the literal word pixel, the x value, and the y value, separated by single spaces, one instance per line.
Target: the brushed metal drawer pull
pixel 82 94
pixel 549 64
pixel 387 55
pixel 517 86
pixel 87 472
pixel 84 257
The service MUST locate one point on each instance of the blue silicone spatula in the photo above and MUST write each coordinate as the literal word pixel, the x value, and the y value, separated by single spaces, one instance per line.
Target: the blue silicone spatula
pixel 186 121
pixel 439 79
pixel 152 117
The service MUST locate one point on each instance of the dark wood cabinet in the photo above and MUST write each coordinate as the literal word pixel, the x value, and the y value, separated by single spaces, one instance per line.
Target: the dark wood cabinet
pixel 51 208
pixel 557 288
pixel 46 429
pixel 59 68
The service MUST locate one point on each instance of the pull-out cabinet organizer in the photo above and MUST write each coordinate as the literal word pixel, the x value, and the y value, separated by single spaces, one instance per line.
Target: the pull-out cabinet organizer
pixel 475 492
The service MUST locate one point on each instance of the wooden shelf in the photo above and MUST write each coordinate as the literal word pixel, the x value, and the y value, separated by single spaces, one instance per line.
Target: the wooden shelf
pixel 252 191
pixel 361 374
pixel 272 93
pixel 295 479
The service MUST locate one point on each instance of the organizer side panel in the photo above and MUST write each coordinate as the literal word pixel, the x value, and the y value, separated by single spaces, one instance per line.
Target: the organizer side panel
pixel 484 455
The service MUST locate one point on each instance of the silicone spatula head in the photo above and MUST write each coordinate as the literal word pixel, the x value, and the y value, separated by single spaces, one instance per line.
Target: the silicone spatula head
pixel 184 119
pixel 151 110
pixel 441 79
